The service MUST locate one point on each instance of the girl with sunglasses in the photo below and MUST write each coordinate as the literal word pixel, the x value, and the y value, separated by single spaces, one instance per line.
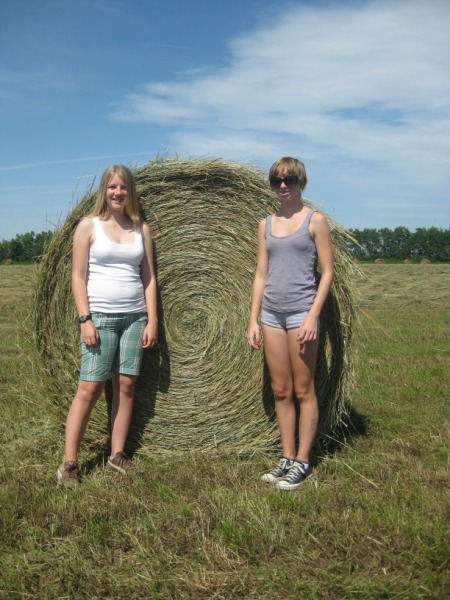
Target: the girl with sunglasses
pixel 286 293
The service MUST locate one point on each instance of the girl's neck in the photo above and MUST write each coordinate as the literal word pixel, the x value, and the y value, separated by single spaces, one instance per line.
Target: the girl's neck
pixel 290 208
pixel 120 219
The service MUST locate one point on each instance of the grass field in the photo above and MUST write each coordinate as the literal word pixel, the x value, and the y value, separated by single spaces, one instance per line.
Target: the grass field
pixel 371 523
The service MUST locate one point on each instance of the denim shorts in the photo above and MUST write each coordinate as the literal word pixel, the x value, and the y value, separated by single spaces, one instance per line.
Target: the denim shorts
pixel 280 320
pixel 119 349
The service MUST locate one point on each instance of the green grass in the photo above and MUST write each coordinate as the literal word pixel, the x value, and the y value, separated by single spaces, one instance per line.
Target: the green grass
pixel 372 521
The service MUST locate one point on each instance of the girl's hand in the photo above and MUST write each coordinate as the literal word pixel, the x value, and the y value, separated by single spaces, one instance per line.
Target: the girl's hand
pixel 89 333
pixel 254 337
pixel 150 337
pixel 308 330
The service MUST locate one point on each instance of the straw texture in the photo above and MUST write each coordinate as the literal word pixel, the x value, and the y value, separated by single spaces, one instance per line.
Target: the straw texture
pixel 201 387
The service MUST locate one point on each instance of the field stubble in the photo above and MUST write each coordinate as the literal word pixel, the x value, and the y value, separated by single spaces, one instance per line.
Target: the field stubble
pixel 370 523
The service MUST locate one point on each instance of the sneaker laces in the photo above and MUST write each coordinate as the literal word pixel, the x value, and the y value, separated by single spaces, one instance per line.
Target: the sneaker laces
pixel 70 467
pixel 283 466
pixel 284 463
pixel 292 474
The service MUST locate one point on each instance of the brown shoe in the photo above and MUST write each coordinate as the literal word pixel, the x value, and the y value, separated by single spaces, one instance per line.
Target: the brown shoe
pixel 121 462
pixel 68 474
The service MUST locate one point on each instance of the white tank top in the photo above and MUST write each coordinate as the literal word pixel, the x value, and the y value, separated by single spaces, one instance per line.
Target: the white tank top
pixel 114 282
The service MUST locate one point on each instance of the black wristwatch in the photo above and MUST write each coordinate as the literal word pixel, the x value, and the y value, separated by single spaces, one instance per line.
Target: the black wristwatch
pixel 84 318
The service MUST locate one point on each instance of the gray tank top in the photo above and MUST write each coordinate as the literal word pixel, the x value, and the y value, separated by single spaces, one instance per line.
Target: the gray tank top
pixel 291 284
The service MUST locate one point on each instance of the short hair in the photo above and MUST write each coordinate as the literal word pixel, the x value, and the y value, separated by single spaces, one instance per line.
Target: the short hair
pixel 130 206
pixel 289 166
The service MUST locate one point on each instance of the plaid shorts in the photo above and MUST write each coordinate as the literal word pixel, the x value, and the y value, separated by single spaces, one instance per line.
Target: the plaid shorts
pixel 119 349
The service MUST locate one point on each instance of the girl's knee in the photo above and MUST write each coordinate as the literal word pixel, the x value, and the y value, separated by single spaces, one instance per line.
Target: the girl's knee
pixel 128 387
pixel 90 391
pixel 282 393
pixel 125 383
pixel 304 396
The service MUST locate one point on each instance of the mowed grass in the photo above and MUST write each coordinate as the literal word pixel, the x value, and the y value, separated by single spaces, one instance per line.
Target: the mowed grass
pixel 372 522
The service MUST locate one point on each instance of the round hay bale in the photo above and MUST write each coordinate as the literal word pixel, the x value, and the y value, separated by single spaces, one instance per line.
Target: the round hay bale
pixel 379 261
pixel 407 261
pixel 8 261
pixel 201 387
pixel 424 261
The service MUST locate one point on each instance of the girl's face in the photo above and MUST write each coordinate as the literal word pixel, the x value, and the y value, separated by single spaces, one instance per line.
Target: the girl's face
pixel 116 193
pixel 286 186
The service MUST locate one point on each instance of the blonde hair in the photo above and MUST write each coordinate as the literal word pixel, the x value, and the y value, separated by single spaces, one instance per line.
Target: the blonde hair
pixel 130 206
pixel 289 166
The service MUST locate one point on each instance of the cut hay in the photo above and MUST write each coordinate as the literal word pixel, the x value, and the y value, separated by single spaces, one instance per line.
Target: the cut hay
pixel 201 387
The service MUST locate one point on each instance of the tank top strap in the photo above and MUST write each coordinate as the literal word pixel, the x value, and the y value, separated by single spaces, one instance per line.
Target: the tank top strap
pixel 98 229
pixel 307 220
pixel 268 225
pixel 97 225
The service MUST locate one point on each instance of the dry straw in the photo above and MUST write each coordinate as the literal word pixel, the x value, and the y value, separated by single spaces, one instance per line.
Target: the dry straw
pixel 201 387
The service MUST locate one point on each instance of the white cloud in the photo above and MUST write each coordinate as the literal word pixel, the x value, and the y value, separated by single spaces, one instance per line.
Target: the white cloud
pixel 360 92
pixel 364 81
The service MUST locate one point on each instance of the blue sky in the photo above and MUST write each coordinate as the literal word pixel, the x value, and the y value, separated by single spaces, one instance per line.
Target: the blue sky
pixel 358 89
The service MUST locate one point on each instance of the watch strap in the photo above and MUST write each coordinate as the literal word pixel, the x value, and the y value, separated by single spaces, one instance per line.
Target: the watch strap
pixel 84 318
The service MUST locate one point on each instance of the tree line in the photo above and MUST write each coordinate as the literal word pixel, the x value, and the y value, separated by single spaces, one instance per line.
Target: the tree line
pixel 399 243
pixel 25 247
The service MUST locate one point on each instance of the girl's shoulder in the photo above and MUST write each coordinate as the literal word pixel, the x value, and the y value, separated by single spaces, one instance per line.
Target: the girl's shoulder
pixel 146 233
pixel 145 229
pixel 263 223
pixel 86 224
pixel 317 216
pixel 265 220
pixel 318 222
pixel 84 232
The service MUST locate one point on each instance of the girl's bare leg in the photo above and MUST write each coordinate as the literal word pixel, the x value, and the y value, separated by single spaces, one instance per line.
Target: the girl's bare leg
pixel 87 394
pixel 277 354
pixel 122 409
pixel 303 363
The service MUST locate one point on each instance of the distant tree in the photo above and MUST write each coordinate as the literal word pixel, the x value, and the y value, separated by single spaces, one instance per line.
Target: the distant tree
pixel 25 247
pixel 5 250
pixel 403 238
pixel 388 246
pixel 432 243
pixel 356 248
pixel 41 242
pixel 371 242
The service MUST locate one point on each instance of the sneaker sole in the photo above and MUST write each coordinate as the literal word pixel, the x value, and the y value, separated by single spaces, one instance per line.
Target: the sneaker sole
pixel 270 479
pixel 289 487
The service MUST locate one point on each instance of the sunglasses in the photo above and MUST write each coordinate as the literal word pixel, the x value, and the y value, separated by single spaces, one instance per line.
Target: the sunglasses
pixel 290 181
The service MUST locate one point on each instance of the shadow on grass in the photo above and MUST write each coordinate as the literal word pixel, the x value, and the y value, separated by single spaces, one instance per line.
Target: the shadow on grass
pixel 353 425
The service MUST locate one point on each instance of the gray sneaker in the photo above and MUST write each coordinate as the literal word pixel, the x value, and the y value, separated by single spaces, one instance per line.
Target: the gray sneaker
pixel 280 471
pixel 121 462
pixel 68 474
pixel 298 472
